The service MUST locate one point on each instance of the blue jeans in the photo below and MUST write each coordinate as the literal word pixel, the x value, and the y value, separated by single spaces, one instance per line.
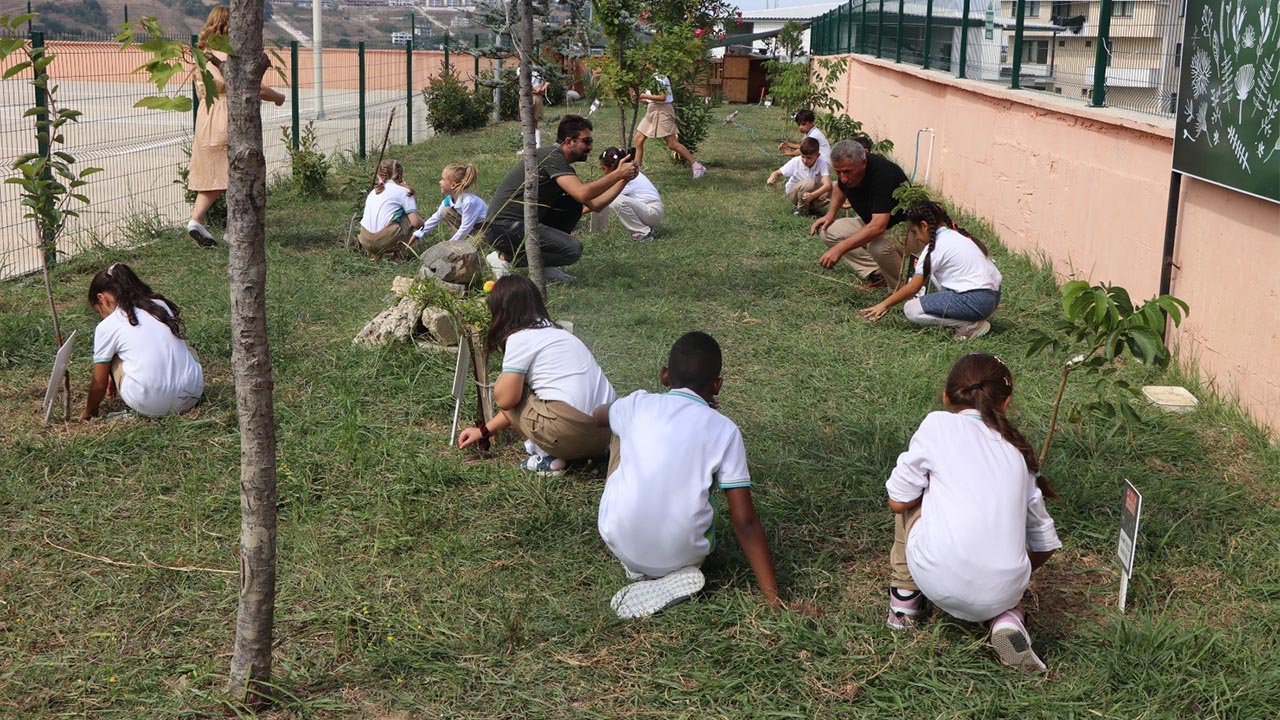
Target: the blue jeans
pixel 965 307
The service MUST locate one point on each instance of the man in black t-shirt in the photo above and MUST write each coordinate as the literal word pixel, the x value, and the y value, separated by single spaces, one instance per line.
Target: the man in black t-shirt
pixel 862 241
pixel 561 197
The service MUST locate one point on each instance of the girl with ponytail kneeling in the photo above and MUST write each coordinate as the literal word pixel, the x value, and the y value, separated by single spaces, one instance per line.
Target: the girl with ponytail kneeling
pixel 970 524
pixel 967 282
pixel 139 348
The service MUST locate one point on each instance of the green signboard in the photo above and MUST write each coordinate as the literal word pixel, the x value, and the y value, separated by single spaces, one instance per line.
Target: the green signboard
pixel 1229 96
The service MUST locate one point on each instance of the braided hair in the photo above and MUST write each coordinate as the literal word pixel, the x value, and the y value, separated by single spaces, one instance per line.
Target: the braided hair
pixel 983 382
pixel 935 217
pixel 391 170
pixel 132 294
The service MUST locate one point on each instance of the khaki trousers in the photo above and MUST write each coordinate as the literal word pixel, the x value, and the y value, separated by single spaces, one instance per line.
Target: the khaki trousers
pixel 394 239
pixel 899 573
pixel 813 207
pixel 558 428
pixel 883 255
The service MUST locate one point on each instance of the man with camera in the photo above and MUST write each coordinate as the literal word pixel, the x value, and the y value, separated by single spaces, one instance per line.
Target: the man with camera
pixel 561 198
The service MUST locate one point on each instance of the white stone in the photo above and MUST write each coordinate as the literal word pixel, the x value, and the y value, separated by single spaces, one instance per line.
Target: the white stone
pixel 395 324
pixel 439 326
pixel 1171 398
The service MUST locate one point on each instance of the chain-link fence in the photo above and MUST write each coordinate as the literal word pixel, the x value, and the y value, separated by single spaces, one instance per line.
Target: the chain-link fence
pixel 348 93
pixel 1118 53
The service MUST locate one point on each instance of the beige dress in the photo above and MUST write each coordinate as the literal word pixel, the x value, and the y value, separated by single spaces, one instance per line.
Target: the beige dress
pixel 209 146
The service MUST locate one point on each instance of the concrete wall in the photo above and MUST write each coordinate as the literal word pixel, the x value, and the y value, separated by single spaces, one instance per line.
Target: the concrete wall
pixel 1088 189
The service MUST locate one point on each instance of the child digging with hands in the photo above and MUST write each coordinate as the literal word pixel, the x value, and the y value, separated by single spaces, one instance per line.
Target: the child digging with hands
pixel 669 452
pixel 971 524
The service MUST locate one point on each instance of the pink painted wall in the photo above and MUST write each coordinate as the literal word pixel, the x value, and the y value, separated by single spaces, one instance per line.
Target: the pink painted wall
pixel 1088 189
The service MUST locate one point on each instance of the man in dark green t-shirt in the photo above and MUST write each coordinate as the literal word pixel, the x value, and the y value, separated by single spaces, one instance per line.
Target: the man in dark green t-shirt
pixel 862 241
pixel 561 197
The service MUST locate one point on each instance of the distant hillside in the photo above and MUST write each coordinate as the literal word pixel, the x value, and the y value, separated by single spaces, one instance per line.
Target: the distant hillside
pixel 103 17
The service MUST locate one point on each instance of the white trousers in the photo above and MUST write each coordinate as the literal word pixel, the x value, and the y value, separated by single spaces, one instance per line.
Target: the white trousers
pixel 636 216
pixel 916 314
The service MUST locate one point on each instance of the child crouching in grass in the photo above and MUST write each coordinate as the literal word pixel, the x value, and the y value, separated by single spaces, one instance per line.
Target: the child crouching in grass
pixel 971 523
pixel 670 452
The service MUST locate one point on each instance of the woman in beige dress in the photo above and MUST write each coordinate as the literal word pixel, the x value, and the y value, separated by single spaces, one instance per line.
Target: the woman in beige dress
pixel 208 175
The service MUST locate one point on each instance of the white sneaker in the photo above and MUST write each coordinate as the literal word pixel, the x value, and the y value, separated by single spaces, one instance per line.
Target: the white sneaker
pixel 644 598
pixel 201 234
pixel 699 170
pixel 973 330
pixel 1013 643
pixel 500 268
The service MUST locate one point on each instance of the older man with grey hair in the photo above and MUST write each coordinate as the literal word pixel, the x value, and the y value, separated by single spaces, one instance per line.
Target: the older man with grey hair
pixel 867 181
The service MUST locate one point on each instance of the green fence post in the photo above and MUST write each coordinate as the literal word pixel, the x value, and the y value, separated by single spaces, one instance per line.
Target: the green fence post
pixel 363 128
pixel 408 91
pixel 126 12
pixel 29 22
pixel 42 134
pixel 928 32
pixel 296 119
pixel 897 51
pixel 880 31
pixel 446 51
pixel 1021 10
pixel 195 99
pixel 1100 58
pixel 848 38
pixel 862 31
pixel 964 38
pixel 475 77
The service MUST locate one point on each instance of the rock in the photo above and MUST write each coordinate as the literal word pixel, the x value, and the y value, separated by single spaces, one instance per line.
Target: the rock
pixel 572 95
pixel 439 326
pixel 453 288
pixel 401 286
pixel 393 324
pixel 455 262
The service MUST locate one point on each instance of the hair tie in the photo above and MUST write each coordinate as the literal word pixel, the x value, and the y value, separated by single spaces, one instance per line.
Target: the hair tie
pixel 112 267
pixel 975 386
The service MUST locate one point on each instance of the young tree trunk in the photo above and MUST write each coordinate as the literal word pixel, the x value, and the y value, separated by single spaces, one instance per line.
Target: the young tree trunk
pixel 532 250
pixel 250 360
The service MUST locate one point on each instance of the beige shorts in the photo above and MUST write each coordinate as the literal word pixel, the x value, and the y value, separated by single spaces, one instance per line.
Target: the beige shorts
pixel 395 239
pixel 659 121
pixel 559 428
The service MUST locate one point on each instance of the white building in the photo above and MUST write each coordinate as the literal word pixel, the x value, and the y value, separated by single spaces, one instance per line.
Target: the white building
pixel 772 20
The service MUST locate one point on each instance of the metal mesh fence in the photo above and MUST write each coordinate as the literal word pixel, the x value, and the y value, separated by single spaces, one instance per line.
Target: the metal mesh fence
pixel 142 151
pixel 1118 53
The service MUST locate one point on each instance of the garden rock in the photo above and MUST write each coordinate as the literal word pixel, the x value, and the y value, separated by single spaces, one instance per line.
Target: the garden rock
pixel 439 327
pixel 395 324
pixel 455 262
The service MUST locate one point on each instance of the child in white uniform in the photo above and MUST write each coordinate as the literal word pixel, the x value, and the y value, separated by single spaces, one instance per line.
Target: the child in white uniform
pixel 390 214
pixel 461 209
pixel 808 180
pixel 971 523
pixel 549 384
pixel 670 453
pixel 967 282
pixel 139 349
pixel 638 206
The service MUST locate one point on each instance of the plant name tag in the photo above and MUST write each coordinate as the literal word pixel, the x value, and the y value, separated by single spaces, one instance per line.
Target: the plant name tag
pixel 1130 516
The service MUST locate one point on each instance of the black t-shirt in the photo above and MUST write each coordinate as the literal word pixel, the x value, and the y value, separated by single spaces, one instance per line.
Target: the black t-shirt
pixel 555 206
pixel 875 195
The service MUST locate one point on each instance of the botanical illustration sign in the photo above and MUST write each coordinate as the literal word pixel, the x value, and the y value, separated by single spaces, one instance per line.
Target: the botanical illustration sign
pixel 1229 96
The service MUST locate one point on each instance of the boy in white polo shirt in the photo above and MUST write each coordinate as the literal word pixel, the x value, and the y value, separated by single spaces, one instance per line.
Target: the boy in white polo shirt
pixel 669 453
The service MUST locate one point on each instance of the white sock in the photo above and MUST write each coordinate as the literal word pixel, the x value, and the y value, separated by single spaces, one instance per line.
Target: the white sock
pixel 537 137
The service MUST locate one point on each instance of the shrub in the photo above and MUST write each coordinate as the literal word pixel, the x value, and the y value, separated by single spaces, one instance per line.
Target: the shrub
pixel 453 107
pixel 693 116
pixel 842 127
pixel 310 167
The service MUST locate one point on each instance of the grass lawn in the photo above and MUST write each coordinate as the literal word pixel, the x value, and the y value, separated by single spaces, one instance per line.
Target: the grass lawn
pixel 419 581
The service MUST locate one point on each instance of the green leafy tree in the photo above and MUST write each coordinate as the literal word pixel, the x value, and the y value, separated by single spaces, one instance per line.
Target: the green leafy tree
pixel 50 185
pixel 1100 324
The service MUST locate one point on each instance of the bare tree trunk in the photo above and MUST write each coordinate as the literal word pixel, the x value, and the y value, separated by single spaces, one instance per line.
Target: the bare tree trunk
pixel 250 360
pixel 480 370
pixel 533 251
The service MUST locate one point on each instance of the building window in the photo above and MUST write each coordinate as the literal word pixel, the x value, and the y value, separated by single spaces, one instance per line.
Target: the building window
pixel 1122 8
pixel 1182 8
pixel 1036 52
pixel 1088 43
pixel 1062 43
pixel 1177 55
pixel 1033 9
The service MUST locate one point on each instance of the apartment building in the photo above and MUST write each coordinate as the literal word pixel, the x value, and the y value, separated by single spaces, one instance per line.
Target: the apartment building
pixel 1143 62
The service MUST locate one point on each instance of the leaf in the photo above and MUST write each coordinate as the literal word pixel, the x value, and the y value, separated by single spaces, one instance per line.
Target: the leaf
pixel 16 69
pixel 1128 414
pixel 221 43
pixel 90 171
pixel 1145 345
pixel 178 103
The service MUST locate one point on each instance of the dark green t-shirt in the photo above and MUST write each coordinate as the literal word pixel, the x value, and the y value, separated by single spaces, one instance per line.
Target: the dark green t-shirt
pixel 508 199
pixel 875 195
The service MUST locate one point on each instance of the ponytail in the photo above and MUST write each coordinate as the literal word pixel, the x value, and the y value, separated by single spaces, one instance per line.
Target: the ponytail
pixel 935 217
pixel 983 382
pixel 463 178
pixel 132 294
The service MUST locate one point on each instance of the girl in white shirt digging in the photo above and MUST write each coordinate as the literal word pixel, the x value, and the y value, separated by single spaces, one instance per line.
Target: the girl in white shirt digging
pixel 550 382
pixel 967 282
pixel 461 209
pixel 138 349
pixel 971 524
pixel 390 214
